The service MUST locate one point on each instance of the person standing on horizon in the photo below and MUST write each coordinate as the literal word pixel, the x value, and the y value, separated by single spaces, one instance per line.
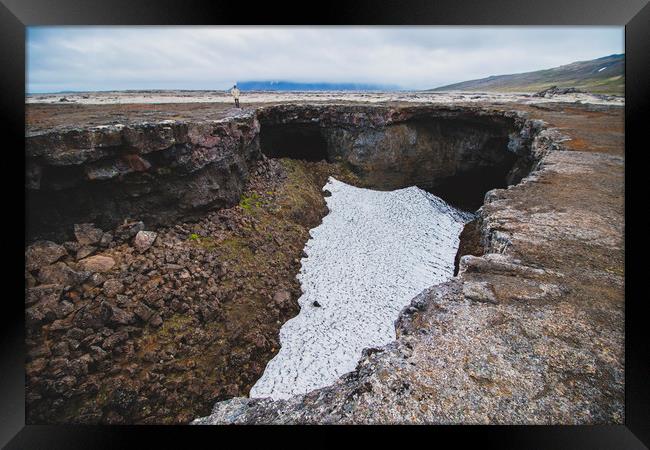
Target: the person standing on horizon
pixel 235 94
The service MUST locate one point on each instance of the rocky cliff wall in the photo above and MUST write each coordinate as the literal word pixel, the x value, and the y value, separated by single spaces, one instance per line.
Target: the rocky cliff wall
pixel 157 173
pixel 457 153
pixel 161 172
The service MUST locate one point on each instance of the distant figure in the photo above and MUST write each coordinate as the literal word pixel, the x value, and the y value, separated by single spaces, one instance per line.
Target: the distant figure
pixel 235 94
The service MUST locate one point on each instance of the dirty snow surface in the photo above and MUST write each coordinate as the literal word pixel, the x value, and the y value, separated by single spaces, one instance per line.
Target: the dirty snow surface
pixel 371 255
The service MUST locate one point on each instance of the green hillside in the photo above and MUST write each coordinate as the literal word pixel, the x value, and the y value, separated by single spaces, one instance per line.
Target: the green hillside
pixel 600 76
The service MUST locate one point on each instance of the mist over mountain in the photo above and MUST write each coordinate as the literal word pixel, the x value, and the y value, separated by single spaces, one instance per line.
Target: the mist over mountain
pixel 294 86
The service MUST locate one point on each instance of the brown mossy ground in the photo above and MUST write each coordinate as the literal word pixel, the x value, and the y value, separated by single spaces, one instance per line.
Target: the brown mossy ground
pixel 223 287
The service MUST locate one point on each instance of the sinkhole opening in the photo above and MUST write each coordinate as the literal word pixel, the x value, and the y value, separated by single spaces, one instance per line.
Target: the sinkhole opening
pixel 466 189
pixel 298 141
pixel 457 159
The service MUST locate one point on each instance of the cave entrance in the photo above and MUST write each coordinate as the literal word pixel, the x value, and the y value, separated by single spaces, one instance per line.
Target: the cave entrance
pixel 488 167
pixel 457 156
pixel 460 159
pixel 303 141
pixel 466 190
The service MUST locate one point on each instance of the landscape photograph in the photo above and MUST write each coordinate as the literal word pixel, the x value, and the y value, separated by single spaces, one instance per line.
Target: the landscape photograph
pixel 325 225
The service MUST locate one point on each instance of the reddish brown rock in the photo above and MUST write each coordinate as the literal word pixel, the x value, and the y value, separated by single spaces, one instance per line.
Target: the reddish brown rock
pixel 87 233
pixel 97 263
pixel 43 253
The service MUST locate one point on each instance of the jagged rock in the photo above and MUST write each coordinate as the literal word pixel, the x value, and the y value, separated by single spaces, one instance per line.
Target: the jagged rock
pixel 554 90
pixel 114 340
pixel 143 312
pixel 87 233
pixel 144 240
pixel 531 332
pixel 106 239
pixel 48 309
pixel 72 246
pixel 60 349
pixel 97 263
pixel 113 314
pixel 156 320
pixel 482 359
pixel 193 159
pixel 106 170
pixel 85 251
pixel 61 273
pixel 30 281
pixel 207 164
pixel 128 230
pixel 122 398
pixel 43 253
pixel 87 317
pixel 96 279
pixel 39 351
pixel 44 292
pixel 113 287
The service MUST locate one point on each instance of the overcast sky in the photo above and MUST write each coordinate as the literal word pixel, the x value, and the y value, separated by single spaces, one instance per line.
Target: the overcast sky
pixel 112 58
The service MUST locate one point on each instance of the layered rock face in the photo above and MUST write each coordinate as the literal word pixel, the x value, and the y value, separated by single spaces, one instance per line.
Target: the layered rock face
pixel 157 173
pixel 162 172
pixel 457 153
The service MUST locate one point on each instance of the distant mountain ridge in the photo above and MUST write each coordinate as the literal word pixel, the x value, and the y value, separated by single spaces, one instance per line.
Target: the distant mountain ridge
pixel 604 75
pixel 294 86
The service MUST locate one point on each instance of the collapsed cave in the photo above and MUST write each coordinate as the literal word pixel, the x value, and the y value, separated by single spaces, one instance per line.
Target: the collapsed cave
pixel 298 141
pixel 457 157
pixel 183 169
pixel 174 173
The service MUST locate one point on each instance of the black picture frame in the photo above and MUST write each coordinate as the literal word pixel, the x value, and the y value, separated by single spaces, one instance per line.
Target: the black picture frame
pixel 15 15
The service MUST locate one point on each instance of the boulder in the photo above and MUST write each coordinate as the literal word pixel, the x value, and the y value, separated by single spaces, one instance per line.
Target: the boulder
pixel 115 339
pixel 156 320
pixel 61 273
pixel 43 253
pixel 88 318
pixel 72 246
pixel 144 240
pixel 97 263
pixel 128 230
pixel 106 239
pixel 143 312
pixel 113 287
pixel 113 314
pixel 45 292
pixel 87 233
pixel 554 90
pixel 47 310
pixel 84 251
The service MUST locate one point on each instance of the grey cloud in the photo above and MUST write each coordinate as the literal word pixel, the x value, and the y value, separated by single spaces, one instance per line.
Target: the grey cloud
pixel 97 58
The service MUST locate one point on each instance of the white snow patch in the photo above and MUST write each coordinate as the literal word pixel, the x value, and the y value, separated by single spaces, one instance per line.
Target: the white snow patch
pixel 371 255
pixel 602 68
